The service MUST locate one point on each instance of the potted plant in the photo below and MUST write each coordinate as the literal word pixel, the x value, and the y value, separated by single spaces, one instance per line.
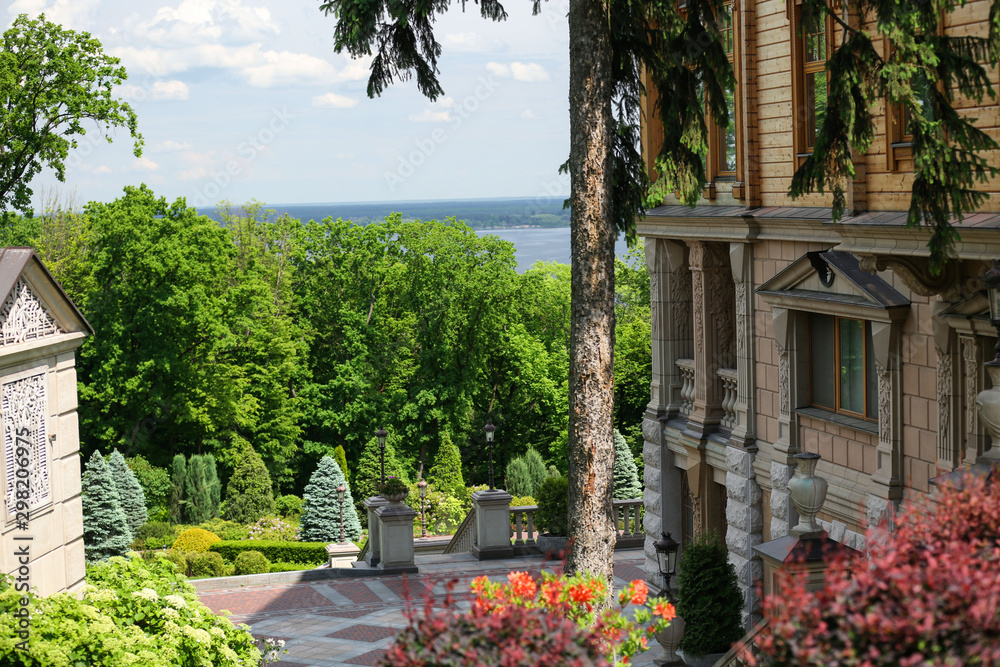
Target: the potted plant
pixel 709 601
pixel 394 490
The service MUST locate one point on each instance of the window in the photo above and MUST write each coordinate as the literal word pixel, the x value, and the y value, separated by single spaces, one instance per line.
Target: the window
pixel 812 39
pixel 722 158
pixel 843 366
pixel 899 132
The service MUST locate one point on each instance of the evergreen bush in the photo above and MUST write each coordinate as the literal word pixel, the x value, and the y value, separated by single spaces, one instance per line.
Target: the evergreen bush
pixel 553 506
pixel 518 478
pixel 130 493
pixel 446 472
pixel 536 469
pixel 227 530
pixel 155 534
pixel 206 564
pixel 201 489
pixel 340 456
pixel 178 475
pixel 288 505
pixel 271 528
pixel 195 540
pixel 709 600
pixel 251 562
pixel 106 531
pixel 155 483
pixel 214 486
pixel 307 553
pixel 321 509
pixel 626 476
pixel 248 494
pixel 367 478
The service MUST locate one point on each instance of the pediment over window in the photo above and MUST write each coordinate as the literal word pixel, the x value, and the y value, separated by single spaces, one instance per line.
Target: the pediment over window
pixel 33 306
pixel 832 282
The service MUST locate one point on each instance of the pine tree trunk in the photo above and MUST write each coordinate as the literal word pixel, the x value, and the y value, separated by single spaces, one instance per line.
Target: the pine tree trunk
pixel 591 382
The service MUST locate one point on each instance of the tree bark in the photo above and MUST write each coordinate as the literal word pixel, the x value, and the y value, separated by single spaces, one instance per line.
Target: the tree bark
pixel 592 322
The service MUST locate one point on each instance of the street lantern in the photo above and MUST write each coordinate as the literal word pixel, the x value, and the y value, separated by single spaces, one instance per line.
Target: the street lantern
pixel 490 429
pixel 991 281
pixel 666 559
pixel 422 487
pixel 380 434
pixel 341 490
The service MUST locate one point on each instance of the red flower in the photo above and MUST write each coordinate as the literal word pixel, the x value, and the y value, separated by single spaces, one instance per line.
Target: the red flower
pixel 522 585
pixel 665 609
pixel 639 591
pixel 581 593
pixel 551 592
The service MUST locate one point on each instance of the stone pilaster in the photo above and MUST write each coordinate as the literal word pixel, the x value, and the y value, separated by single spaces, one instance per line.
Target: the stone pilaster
pixel 374 533
pixel 712 302
pixel 670 302
pixel 661 494
pixel 887 479
pixel 972 372
pixel 745 519
pixel 949 442
pixel 741 259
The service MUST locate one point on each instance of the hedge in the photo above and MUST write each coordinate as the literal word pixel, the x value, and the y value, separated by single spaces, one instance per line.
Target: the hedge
pixel 307 553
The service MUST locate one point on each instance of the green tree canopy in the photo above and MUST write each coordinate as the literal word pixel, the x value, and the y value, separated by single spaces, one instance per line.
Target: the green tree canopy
pixel 53 82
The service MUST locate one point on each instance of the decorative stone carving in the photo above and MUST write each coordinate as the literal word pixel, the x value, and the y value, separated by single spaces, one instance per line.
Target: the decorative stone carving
pixel 944 383
pixel 884 406
pixel 25 415
pixel 23 318
pixel 972 357
pixel 784 396
pixel 915 274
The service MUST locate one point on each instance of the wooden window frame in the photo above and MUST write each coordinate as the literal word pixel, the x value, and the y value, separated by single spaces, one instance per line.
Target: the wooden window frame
pixel 800 145
pixel 898 144
pixel 716 135
pixel 836 376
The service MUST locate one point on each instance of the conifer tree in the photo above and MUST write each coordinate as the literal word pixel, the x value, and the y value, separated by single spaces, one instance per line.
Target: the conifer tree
pixel 130 493
pixel 196 491
pixel 446 473
pixel 517 478
pixel 177 476
pixel 368 474
pixel 105 526
pixel 340 456
pixel 214 486
pixel 627 484
pixel 321 511
pixel 536 469
pixel 249 495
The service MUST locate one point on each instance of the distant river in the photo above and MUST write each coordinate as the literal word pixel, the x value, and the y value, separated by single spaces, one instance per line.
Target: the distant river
pixel 547 244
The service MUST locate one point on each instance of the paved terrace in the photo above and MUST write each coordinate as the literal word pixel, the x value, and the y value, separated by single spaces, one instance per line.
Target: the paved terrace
pixel 351 621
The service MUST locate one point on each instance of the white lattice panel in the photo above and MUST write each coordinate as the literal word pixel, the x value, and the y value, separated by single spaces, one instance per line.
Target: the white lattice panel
pixel 24 407
pixel 23 317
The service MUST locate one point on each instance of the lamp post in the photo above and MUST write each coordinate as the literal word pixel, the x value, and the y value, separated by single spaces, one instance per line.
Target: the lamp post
pixel 666 559
pixel 380 434
pixel 490 429
pixel 341 490
pixel 422 487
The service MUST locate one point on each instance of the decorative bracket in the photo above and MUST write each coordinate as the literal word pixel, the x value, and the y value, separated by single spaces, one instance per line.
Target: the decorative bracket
pixel 916 274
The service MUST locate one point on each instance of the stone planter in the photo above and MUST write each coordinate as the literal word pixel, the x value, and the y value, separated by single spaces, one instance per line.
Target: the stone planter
pixel 706 660
pixel 807 492
pixel 395 498
pixel 669 639
pixel 551 543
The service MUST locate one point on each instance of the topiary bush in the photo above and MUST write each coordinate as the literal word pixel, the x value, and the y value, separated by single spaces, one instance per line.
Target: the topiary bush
pixel 251 562
pixel 536 469
pixel 201 489
pixel 321 510
pixel 195 540
pixel 156 534
pixel 522 501
pixel 206 564
pixel 288 552
pixel 709 601
pixel 367 475
pixel 133 612
pixel 248 495
pixel 626 475
pixel 553 506
pixel 288 505
pixel 271 529
pixel 106 530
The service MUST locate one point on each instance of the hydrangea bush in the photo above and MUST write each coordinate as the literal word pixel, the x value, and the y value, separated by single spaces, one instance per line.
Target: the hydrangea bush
pixel 132 613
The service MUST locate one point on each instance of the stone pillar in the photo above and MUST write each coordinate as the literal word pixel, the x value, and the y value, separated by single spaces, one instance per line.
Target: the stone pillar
pixel 712 306
pixel 492 524
pixel 949 449
pixel 745 519
pixel 661 493
pixel 374 538
pixel 972 362
pixel 741 258
pixel 783 515
pixel 670 305
pixel 396 537
pixel 887 482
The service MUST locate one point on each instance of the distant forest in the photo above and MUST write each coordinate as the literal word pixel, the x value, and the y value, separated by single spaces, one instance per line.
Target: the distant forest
pixel 476 213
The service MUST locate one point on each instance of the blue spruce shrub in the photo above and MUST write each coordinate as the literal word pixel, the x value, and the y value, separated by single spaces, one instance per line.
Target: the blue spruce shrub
pixel 105 526
pixel 130 493
pixel 321 509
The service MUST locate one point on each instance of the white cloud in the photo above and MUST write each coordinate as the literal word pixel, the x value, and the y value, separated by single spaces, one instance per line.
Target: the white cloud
pixel 527 114
pixel 171 145
pixel 286 68
pixel 145 164
pixel 71 14
pixel 194 22
pixel 192 174
pixel 159 90
pixel 431 116
pixel 526 72
pixel 334 100
pixel 472 42
pixel 344 156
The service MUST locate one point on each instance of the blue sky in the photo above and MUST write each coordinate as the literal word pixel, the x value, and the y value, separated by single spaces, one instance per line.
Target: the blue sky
pixel 241 99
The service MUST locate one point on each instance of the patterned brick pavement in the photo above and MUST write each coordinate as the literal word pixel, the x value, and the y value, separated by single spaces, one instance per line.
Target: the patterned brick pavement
pixel 345 622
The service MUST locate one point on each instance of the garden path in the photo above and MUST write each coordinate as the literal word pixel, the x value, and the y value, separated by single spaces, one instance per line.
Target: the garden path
pixel 349 622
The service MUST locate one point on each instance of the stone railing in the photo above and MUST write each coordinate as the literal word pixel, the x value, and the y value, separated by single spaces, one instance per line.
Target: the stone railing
pixel 465 537
pixel 523 517
pixel 736 657
pixel 686 367
pixel 729 377
pixel 628 522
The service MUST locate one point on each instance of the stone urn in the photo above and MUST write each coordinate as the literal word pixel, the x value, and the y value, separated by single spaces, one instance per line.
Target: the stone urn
pixel 669 638
pixel 988 406
pixel 807 493
pixel 396 498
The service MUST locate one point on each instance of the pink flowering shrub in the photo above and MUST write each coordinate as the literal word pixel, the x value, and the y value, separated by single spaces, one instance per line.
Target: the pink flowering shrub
pixel 928 596
pixel 272 528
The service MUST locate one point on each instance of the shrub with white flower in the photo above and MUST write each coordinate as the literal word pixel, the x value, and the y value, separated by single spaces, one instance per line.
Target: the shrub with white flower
pixel 272 528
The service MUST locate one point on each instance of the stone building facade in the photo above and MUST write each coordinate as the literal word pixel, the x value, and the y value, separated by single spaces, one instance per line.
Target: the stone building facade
pixel 40 330
pixel 777 331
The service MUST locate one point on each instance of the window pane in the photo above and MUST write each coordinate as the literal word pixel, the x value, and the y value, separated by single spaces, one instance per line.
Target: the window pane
pixel 852 365
pixel 823 393
pixel 871 379
pixel 726 28
pixel 727 137
pixel 815 105
pixel 814 37
pixel 922 92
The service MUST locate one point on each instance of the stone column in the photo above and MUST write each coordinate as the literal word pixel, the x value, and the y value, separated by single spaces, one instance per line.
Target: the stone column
pixel 887 481
pixel 741 258
pixel 492 524
pixel 745 519
pixel 396 537
pixel 949 450
pixel 670 305
pixel 374 537
pixel 783 515
pixel 972 363
pixel 712 306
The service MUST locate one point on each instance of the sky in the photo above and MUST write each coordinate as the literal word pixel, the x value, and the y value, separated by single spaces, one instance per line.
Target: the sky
pixel 247 99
